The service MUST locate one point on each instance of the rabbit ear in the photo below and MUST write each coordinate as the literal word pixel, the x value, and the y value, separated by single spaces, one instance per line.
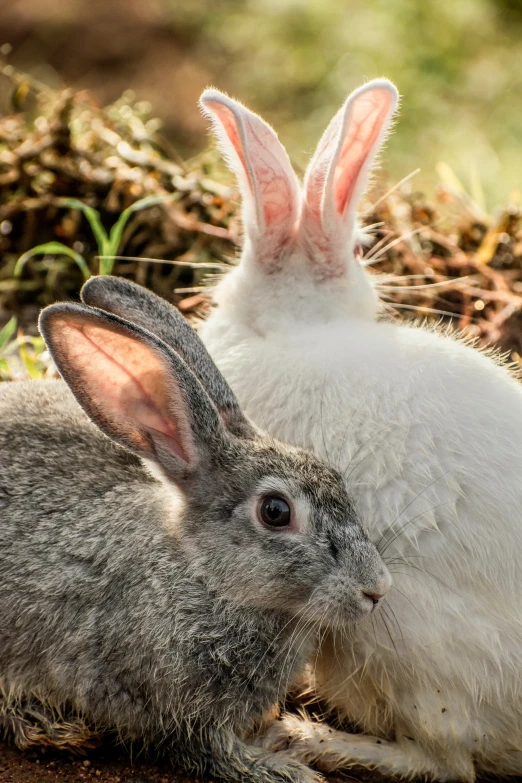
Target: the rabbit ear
pixel 149 311
pixel 269 187
pixel 338 173
pixel 135 388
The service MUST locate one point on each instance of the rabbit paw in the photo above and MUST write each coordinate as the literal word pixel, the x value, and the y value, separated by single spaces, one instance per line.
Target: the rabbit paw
pixel 34 724
pixel 331 750
pixel 282 768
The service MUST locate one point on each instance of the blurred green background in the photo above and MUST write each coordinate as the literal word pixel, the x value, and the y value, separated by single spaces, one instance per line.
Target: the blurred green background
pixel 457 63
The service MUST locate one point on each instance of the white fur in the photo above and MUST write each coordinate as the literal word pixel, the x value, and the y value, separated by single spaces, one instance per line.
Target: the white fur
pixel 429 433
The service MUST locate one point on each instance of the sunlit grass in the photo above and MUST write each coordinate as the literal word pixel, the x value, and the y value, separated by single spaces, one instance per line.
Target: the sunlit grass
pixel 23 356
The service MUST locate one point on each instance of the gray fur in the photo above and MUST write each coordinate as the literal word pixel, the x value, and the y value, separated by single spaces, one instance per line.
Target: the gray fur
pixel 178 627
pixel 146 309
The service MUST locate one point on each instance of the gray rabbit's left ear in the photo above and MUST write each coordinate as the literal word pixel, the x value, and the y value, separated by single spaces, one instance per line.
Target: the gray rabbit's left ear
pixel 145 309
pixel 137 390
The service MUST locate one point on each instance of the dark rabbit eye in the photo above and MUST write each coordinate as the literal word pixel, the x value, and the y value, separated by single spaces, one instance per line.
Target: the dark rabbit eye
pixel 275 512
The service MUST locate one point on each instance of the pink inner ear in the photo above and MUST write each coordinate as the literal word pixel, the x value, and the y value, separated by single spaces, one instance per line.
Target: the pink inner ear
pixel 318 170
pixel 367 115
pixel 271 181
pixel 128 385
pixel 228 120
pixel 274 184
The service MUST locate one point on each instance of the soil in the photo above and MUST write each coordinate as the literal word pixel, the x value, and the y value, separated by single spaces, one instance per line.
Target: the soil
pixel 107 765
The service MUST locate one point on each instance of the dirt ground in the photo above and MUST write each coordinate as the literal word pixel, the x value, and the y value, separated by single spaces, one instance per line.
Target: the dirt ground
pixel 107 765
pixel 112 765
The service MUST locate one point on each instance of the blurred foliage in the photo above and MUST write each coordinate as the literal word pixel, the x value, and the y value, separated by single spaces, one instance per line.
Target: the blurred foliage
pixel 458 66
pixel 24 356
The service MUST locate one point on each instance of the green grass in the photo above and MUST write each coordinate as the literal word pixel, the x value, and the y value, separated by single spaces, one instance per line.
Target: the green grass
pixel 22 356
pixel 108 242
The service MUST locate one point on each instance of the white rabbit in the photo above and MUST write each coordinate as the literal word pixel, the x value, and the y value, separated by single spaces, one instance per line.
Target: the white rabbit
pixel 429 434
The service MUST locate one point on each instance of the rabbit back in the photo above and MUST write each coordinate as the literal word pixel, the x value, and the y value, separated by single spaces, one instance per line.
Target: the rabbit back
pixel 412 402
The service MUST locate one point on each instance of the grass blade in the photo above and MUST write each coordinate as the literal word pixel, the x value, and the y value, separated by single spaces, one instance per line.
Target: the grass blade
pixel 52 248
pixel 113 244
pixel 7 332
pixel 30 363
pixel 93 216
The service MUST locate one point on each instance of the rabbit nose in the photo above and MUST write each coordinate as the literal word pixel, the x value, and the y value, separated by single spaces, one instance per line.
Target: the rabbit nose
pixel 379 588
pixel 375 597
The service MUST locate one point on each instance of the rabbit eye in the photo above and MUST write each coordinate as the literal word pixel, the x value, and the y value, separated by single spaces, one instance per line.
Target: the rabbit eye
pixel 275 511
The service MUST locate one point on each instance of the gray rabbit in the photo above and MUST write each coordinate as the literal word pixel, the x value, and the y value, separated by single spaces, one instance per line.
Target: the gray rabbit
pixel 164 567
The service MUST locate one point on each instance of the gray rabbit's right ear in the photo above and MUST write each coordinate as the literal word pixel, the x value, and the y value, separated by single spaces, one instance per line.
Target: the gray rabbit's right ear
pixel 144 308
pixel 136 389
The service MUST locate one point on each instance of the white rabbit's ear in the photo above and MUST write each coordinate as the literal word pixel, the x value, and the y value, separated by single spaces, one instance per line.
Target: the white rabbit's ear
pixel 269 187
pixel 338 172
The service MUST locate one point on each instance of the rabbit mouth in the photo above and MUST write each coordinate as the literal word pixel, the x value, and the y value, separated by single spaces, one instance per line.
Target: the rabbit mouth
pixel 343 615
pixel 342 603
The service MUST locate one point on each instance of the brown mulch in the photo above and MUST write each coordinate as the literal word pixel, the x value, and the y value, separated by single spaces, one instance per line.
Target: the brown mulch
pixel 446 257
pixel 449 260
pixel 65 145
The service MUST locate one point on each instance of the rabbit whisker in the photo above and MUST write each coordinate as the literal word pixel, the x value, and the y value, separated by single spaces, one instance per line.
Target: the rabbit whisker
pixel 323 630
pixel 383 620
pixel 391 190
pixel 374 630
pixel 436 578
pixel 423 310
pixel 451 281
pixel 393 587
pixel 431 484
pixel 311 630
pixel 408 522
pixel 373 258
pixel 374 225
pixel 301 624
pixel 382 241
pixel 387 606
pixel 411 554
pixel 172 262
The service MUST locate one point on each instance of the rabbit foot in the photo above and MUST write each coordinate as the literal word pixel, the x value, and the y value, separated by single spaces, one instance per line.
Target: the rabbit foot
pixel 235 761
pixel 34 724
pixel 282 768
pixel 330 750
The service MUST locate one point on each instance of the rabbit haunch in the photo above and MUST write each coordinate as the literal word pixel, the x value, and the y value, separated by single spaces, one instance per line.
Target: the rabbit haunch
pixel 427 432
pixel 159 602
